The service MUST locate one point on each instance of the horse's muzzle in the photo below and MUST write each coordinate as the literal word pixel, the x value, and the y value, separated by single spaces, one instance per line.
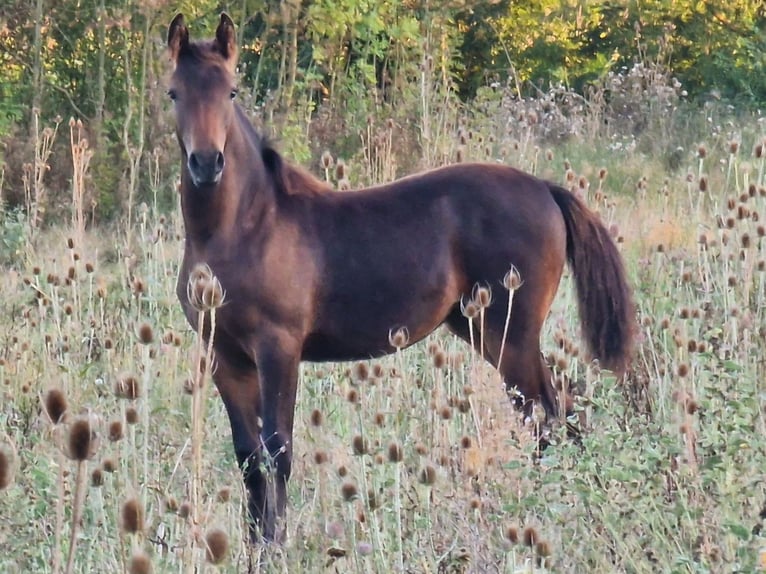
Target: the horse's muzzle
pixel 206 167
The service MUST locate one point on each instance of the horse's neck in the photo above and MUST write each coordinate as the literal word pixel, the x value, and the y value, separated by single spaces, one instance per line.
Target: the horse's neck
pixel 242 199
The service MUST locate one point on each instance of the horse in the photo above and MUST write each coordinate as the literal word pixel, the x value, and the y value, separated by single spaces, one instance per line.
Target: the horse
pixel 315 275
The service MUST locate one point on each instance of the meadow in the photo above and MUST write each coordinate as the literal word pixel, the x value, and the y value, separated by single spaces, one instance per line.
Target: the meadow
pixel 112 436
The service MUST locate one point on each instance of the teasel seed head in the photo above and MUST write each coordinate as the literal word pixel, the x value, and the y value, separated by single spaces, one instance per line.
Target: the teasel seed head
pixel 140 563
pixel 216 545
pixel 512 534
pixel 361 372
pixel 145 334
pixel 116 431
pixel 395 453
pixel 132 516
pixel 97 477
pixel 320 457
pixel 327 160
pixel 470 310
pixel 701 151
pixel 81 440
pixel 482 296
pixel 512 279
pixel 531 537
pixel 127 387
pixel 359 445
pixel 349 491
pixel 55 405
pixel 399 338
pixel 6 467
pixel 316 418
pixel 427 475
pixel 131 415
pixel 109 465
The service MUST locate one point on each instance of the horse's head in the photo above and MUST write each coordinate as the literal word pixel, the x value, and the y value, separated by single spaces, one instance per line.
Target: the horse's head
pixel 203 87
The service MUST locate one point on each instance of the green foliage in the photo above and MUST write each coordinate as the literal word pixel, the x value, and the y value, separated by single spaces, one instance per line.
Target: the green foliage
pixel 14 236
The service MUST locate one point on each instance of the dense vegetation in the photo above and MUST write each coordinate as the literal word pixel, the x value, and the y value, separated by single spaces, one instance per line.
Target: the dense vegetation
pixel 314 70
pixel 114 449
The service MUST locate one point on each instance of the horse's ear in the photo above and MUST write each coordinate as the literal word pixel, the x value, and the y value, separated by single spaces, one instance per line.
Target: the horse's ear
pixel 273 162
pixel 226 38
pixel 178 37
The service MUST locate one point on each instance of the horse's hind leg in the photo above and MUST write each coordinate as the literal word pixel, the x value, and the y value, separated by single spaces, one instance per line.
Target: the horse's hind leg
pixel 521 366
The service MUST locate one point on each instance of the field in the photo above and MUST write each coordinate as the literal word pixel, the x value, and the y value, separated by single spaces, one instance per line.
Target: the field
pixel 415 462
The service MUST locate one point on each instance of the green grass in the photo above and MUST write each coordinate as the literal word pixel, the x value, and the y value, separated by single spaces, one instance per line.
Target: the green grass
pixel 668 477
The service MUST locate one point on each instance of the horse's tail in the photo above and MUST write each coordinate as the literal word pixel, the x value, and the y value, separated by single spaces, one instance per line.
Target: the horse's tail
pixel 603 295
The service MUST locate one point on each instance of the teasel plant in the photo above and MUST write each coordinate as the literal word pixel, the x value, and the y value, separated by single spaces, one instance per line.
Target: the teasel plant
pixel 205 294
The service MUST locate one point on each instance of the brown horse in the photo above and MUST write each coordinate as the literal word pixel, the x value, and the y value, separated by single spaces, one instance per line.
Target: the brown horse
pixel 319 276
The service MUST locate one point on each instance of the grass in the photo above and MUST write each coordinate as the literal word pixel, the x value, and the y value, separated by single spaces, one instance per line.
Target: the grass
pixel 416 461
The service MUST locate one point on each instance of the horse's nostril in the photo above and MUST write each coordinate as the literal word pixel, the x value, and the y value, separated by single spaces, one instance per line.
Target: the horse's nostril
pixel 219 162
pixel 193 161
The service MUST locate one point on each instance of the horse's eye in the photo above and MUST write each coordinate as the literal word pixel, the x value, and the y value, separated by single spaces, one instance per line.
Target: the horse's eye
pixel 172 95
pixel 234 92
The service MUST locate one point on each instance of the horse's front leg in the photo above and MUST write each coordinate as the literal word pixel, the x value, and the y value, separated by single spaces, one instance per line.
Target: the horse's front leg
pixel 238 383
pixel 278 357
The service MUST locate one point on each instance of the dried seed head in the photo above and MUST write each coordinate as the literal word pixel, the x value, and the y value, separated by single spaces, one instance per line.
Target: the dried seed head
pixel 427 475
pixel 224 494
pixel 340 170
pixel 352 396
pixel 131 415
pixel 185 510
pixel 379 419
pixel 512 534
pixel 320 457
pixel 399 338
pixel 6 468
pixel 349 491
pixel 171 504
pixel 97 477
pixel 316 418
pixel 109 465
pixel 445 413
pixel 326 160
pixel 683 370
pixel 470 310
pixel 145 333
pixel 361 372
pixel 531 536
pixel 440 359
pixel 602 173
pixel 81 440
pixel 703 184
pixel 512 279
pixel 55 405
pixel 733 147
pixel 140 563
pixel 132 516
pixel 701 151
pixel 216 545
pixel 359 445
pixel 692 406
pixel 543 549
pixel 482 296
pixel 466 442
pixel 116 431
pixel 395 453
pixel 127 387
pixel 758 150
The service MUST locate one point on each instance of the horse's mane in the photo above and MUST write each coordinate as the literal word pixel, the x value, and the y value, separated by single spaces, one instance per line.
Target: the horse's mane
pixel 290 179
